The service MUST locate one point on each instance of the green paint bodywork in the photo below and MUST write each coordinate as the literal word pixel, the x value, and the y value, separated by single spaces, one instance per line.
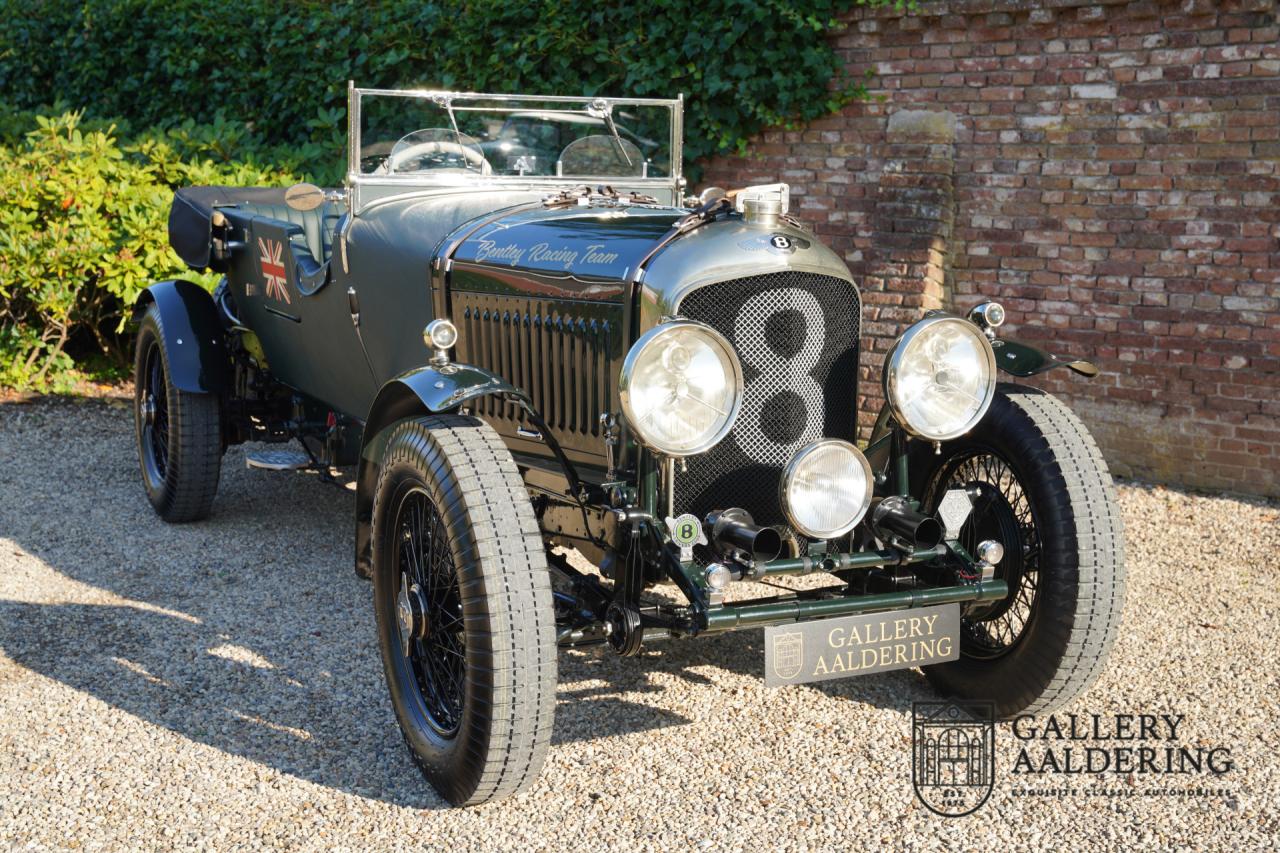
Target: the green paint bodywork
pixel 502 266
pixel 443 388
pixel 584 252
pixel 439 389
pixel 841 562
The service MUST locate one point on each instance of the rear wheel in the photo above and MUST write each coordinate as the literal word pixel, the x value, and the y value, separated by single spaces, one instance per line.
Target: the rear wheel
pixel 179 433
pixel 1042 490
pixel 462 595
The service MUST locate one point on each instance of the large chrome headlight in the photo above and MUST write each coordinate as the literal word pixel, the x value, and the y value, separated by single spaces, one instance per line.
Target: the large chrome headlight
pixel 681 387
pixel 826 488
pixel 940 377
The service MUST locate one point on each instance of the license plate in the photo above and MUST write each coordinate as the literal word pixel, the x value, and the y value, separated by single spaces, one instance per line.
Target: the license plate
pixel 857 645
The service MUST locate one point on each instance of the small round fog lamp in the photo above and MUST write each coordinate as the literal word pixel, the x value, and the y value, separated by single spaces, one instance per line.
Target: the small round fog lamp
pixel 440 335
pixel 826 488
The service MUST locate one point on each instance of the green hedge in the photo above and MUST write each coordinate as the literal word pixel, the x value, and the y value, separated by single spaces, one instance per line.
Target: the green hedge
pixel 281 69
pixel 83 228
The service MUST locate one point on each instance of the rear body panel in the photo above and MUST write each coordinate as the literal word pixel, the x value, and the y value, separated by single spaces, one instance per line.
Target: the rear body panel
pixel 309 340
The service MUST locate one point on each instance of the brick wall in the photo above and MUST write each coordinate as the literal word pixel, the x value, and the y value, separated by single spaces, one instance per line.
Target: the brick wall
pixel 1110 171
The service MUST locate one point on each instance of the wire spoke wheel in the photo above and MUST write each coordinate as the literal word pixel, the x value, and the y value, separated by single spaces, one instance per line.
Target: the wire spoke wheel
pixel 430 608
pixel 1041 489
pixel 1002 512
pixel 154 414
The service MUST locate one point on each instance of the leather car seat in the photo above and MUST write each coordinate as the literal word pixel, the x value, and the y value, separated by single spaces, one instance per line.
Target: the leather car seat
pixel 317 225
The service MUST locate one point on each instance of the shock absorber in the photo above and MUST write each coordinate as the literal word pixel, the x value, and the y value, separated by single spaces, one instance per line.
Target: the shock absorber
pixel 622 618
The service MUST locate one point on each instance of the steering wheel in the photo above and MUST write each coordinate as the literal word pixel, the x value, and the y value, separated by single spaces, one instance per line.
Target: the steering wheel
pixel 472 156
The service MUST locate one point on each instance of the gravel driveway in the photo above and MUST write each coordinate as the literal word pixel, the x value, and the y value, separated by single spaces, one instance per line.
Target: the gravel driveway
pixel 217 685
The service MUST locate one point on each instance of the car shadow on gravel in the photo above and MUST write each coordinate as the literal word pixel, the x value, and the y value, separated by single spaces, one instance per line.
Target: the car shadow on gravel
pixel 740 653
pixel 176 673
pixel 249 632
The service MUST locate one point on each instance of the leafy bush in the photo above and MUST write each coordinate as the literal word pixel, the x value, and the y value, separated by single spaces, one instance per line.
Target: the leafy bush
pixel 280 71
pixel 83 228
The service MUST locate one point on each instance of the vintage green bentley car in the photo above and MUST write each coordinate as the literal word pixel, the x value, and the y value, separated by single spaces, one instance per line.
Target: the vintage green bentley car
pixel 520 358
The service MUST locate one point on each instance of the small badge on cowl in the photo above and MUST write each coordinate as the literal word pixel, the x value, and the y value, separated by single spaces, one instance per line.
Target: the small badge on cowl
pixel 776 244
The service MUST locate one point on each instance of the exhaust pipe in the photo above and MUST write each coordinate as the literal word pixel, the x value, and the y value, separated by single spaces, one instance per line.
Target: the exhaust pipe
pixel 733 531
pixel 893 518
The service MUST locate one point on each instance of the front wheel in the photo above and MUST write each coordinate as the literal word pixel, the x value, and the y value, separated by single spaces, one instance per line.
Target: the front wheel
pixel 1043 492
pixel 462 595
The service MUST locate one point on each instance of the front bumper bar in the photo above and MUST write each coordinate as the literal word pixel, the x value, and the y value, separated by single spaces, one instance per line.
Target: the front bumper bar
pixel 780 611
pixel 753 614
pixel 840 562
pixel 702 616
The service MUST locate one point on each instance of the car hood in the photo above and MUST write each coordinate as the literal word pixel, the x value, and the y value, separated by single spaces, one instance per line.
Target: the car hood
pixel 598 241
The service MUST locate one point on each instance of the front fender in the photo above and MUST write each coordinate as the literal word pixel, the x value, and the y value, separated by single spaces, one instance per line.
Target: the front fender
pixel 1019 359
pixel 446 387
pixel 191 333
pixel 432 389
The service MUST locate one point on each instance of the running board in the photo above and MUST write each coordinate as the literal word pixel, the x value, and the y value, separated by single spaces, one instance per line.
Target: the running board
pixel 275 459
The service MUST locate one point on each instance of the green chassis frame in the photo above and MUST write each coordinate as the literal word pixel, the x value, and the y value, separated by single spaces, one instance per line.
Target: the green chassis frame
pixel 888 453
pixel 699 617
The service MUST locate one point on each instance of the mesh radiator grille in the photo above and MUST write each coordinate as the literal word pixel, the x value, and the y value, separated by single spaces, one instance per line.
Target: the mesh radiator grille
pixel 797 336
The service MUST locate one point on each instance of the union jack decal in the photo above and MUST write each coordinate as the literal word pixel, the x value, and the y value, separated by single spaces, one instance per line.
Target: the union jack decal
pixel 269 252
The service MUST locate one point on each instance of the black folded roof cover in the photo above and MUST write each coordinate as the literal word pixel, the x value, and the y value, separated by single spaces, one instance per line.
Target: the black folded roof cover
pixel 190 226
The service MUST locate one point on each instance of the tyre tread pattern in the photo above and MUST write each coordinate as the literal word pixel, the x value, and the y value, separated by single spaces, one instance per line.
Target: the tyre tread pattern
pixel 1081 573
pixel 1099 544
pixel 195 459
pixel 491 524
